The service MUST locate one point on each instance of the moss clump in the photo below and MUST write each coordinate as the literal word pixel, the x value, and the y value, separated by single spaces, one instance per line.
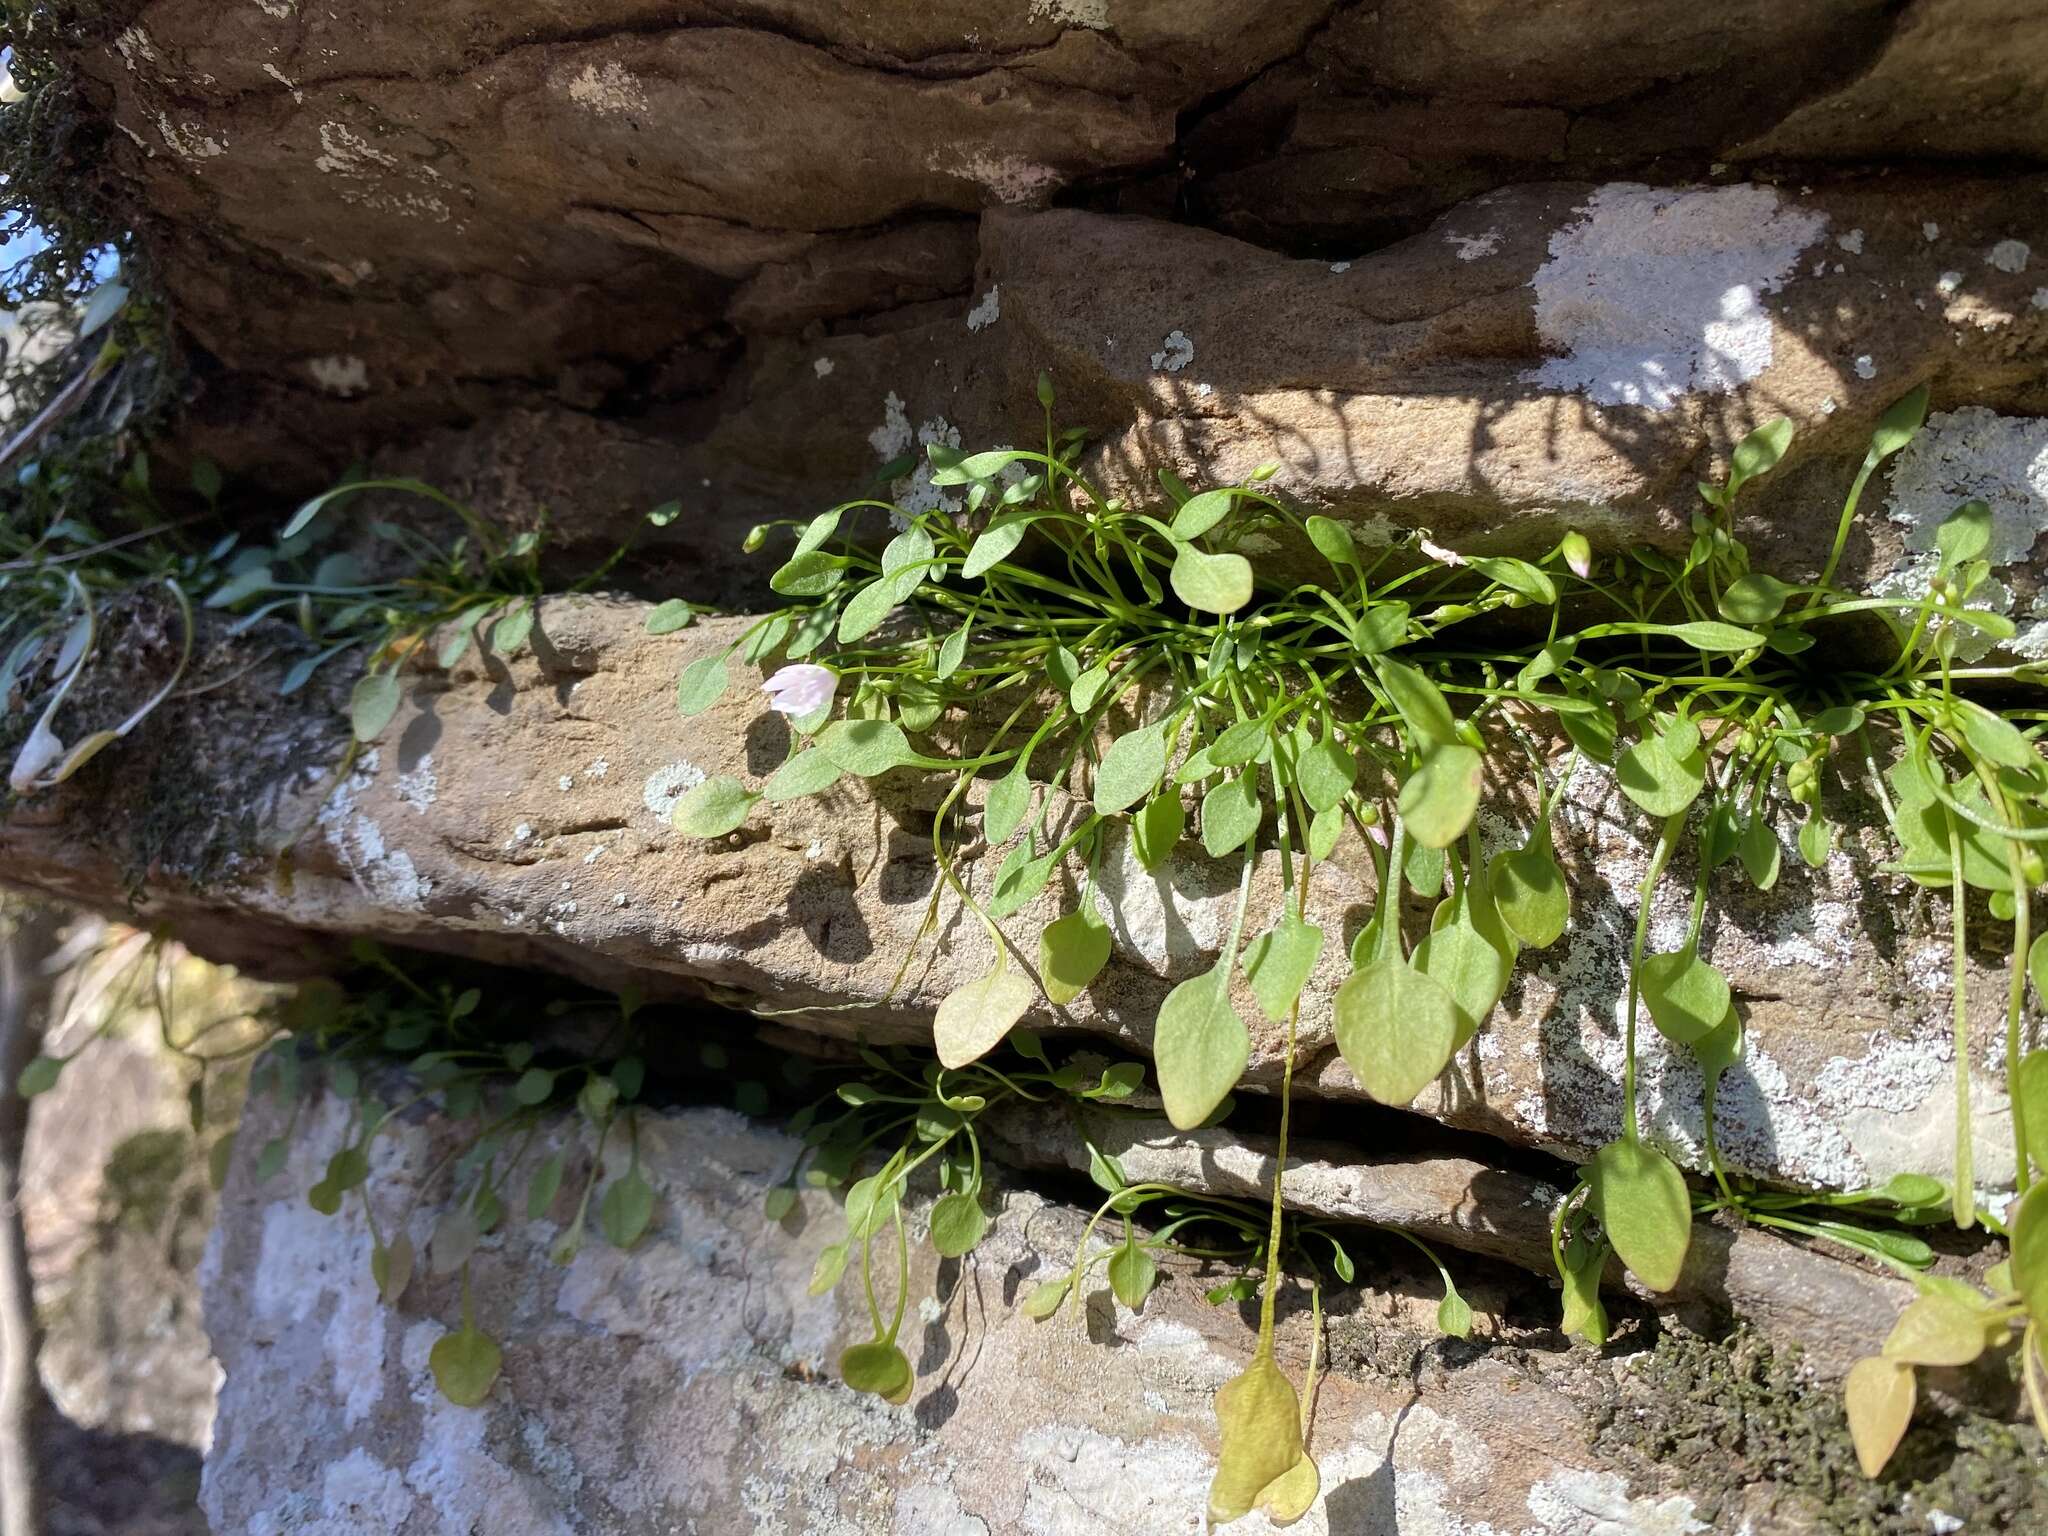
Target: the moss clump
pixel 1732 1416
pixel 146 1178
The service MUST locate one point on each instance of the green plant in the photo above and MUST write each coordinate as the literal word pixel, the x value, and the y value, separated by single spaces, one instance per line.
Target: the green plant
pixel 483 589
pixel 1368 696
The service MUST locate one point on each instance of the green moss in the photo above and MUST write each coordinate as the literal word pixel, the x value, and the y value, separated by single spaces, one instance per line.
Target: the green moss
pixel 146 1177
pixel 1728 1417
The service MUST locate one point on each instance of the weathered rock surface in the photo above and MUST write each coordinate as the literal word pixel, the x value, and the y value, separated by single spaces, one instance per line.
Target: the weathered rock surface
pixel 519 813
pixel 1796 1294
pixel 688 1384
pixel 1448 265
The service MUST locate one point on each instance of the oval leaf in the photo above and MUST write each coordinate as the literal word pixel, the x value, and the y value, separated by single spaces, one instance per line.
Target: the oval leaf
pixel 973 1019
pixel 465 1364
pixel 1641 1200
pixel 1396 1029
pixel 1201 1047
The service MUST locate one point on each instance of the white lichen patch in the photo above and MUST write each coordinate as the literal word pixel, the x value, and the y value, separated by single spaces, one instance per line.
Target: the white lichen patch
pixel 1174 353
pixel 418 788
pixel 1930 232
pixel 1656 294
pixel 609 90
pixel 2008 256
pixel 1009 178
pixel 1852 242
pixel 988 311
pixel 189 141
pixel 386 874
pixel 1093 14
pixel 1974 454
pixel 1866 366
pixel 298 96
pixel 344 152
pixel 343 376
pixel 914 492
pixel 665 786
pixel 1472 247
pixel 136 48
pixel 1168 917
pixel 1766 1121
pixel 822 367
pixel 1578 1503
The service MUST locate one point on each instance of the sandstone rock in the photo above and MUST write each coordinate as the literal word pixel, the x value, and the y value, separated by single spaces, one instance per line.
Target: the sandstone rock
pixel 738 235
pixel 519 813
pixel 688 1383
pixel 1789 1292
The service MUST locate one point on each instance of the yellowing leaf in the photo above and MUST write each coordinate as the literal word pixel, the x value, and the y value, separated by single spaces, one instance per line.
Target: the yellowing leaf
pixel 1259 1415
pixel 1879 1396
pixel 1937 1329
pixel 1293 1493
pixel 2030 1251
pixel 975 1016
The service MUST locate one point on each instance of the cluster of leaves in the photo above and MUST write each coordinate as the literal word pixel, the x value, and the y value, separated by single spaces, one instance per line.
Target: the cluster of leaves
pixel 1367 698
pixel 482 589
pixel 924 1112
pixel 473 1058
pixel 68 554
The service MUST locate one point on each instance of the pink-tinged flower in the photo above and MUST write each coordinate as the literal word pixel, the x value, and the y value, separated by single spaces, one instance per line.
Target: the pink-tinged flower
pixel 1578 554
pixel 800 690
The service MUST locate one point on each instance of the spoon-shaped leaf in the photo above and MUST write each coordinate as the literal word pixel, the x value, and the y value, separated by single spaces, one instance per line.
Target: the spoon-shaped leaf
pixel 1201 1047
pixel 1156 828
pixel 1132 1274
pixel 878 1367
pixel 1279 961
pixel 865 748
pixel 1130 770
pixel 713 808
pixel 1230 814
pixel 1071 953
pixel 1687 997
pixel 465 1364
pixel 976 1015
pixel 1641 1200
pixel 1440 797
pixel 702 684
pixel 1879 1396
pixel 1211 583
pixel 1396 1029
pixel 1009 798
pixel 957 1223
pixel 1530 894
pixel 1660 781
